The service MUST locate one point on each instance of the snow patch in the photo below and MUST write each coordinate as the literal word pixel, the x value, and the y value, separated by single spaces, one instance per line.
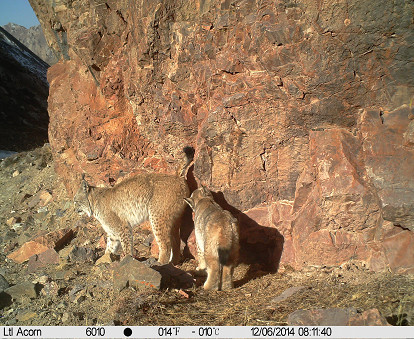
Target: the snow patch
pixel 5 154
pixel 25 58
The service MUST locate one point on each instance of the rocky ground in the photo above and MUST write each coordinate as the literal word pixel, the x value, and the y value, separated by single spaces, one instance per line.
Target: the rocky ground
pixel 51 275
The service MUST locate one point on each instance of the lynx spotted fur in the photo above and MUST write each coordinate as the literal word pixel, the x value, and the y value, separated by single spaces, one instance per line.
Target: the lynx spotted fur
pixel 156 197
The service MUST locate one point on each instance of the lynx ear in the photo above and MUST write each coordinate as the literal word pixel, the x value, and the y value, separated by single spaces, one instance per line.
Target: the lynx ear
pixel 190 202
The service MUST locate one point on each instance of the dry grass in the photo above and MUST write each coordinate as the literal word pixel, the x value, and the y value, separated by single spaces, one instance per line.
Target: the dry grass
pixel 251 304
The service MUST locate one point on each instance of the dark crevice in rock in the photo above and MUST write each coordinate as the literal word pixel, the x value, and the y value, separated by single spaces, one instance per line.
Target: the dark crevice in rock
pixel 381 115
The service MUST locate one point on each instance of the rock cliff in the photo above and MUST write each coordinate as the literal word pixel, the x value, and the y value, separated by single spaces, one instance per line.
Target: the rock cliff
pixel 299 112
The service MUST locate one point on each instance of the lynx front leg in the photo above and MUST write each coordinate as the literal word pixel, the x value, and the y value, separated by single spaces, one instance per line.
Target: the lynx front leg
pixel 127 240
pixel 112 245
pixel 123 234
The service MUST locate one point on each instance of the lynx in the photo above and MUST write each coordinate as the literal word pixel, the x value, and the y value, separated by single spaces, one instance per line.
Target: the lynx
pixel 153 196
pixel 217 238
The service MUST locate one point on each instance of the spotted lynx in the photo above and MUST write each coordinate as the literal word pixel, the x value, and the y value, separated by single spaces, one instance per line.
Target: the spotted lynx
pixel 217 238
pixel 153 196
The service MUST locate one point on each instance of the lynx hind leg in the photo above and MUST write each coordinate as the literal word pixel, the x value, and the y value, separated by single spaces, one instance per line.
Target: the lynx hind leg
pixel 200 251
pixel 175 256
pixel 162 233
pixel 201 269
pixel 227 280
pixel 201 262
pixel 164 246
pixel 213 274
pixel 228 269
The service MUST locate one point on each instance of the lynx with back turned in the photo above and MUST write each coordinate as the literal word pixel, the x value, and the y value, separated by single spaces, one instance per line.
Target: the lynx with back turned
pixel 217 239
pixel 156 197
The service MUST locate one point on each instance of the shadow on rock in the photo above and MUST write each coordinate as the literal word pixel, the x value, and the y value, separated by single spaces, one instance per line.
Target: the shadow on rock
pixel 187 223
pixel 260 247
pixel 148 274
pixel 173 277
pixel 5 300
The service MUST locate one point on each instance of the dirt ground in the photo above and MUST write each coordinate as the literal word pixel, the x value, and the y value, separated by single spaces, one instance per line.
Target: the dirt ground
pixel 84 293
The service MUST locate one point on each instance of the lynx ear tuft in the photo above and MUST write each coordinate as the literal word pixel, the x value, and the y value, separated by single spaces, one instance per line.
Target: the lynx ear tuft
pixel 190 202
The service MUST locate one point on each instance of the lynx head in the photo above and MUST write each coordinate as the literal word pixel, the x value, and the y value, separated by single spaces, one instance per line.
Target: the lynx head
pixel 197 195
pixel 81 201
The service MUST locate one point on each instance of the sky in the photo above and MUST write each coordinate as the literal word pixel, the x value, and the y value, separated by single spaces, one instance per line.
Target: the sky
pixel 18 12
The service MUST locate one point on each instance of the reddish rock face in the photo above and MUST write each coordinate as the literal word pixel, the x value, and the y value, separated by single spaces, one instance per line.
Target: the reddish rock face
pixel 337 212
pixel 388 156
pixel 299 114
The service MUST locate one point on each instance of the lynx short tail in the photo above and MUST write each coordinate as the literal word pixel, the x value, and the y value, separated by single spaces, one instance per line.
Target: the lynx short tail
pixel 223 255
pixel 189 154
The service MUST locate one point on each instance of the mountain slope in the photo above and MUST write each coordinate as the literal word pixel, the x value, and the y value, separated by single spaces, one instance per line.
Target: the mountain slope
pixel 23 96
pixel 34 39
